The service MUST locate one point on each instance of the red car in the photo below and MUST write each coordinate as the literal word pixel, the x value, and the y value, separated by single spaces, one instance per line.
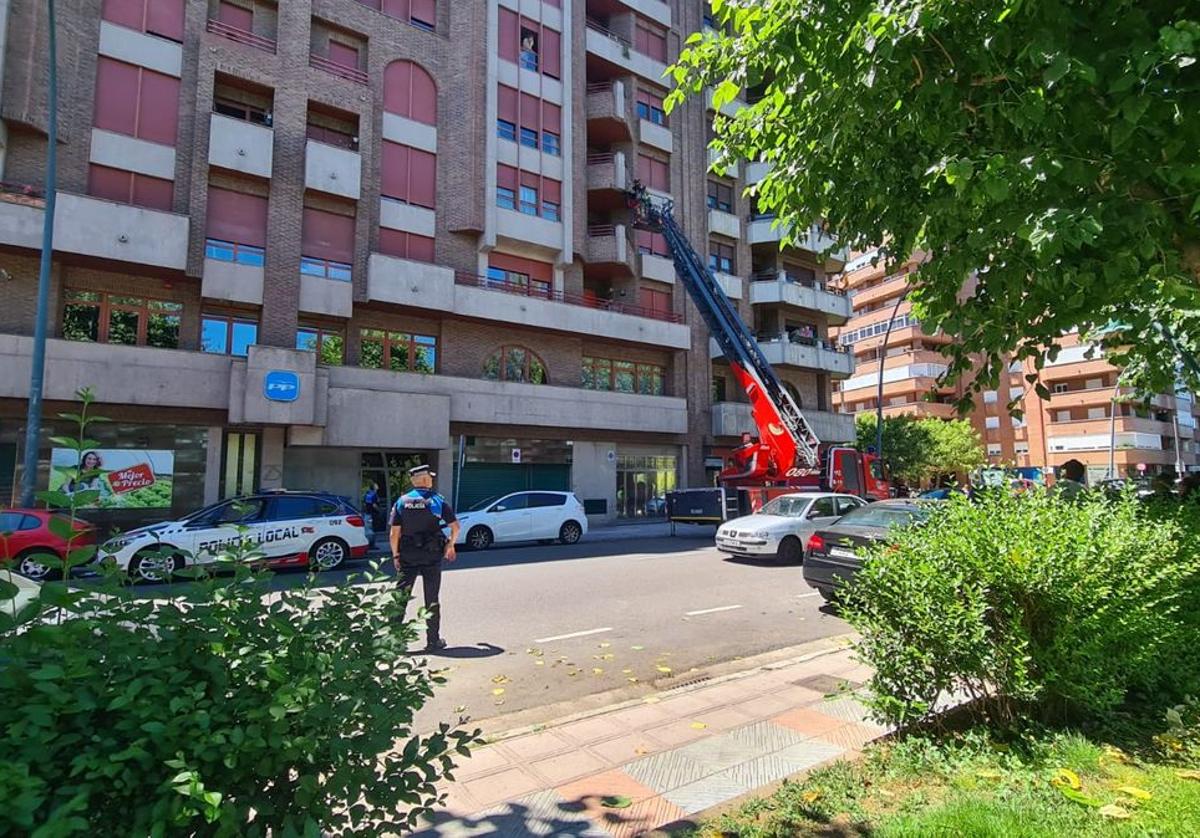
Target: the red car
pixel 31 548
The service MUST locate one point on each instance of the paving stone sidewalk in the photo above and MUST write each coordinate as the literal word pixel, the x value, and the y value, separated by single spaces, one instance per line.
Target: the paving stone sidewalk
pixel 672 757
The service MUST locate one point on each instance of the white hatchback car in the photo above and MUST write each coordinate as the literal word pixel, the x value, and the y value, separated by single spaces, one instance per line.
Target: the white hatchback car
pixel 289 528
pixel 523 516
pixel 782 527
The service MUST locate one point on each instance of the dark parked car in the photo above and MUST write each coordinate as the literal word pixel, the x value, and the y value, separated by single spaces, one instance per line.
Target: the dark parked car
pixel 834 552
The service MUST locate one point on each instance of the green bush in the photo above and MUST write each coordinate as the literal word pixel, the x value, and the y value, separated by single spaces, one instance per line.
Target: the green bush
pixel 233 710
pixel 1038 605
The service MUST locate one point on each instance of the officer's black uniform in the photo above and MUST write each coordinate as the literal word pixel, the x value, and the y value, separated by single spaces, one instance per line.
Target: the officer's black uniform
pixel 421 514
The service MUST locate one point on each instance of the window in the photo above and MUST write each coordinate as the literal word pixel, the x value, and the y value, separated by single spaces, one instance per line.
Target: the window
pixel 720 196
pixel 512 503
pixel 408 175
pixel 537 123
pixel 529 138
pixel 409 91
pixel 720 257
pixel 718 388
pixel 420 13
pixel 653 243
pixel 529 200
pixel 994 449
pixel 1062 416
pixel 1061 387
pixel 327 244
pixel 654 173
pixel 538 500
pixel 136 102
pixel 550 211
pixel 822 508
pixel 239 110
pixel 344 55
pixel 529 44
pixel 405 245
pixel 1021 447
pixel 515 363
pixel 845 504
pixel 236 16
pixel 650 108
pixel 506 198
pixel 506 130
pixel 1097 413
pixel 294 508
pixel 236 227
pixel 227 334
pixel 652 300
pixel 597 374
pixel 989 396
pixel 398 351
pixel 1019 421
pixel 518 275
pixel 329 344
pixel 991 422
pixel 130 188
pixel 97 317
pixel 550 143
pixel 650 41
pixel 622 376
pixel 154 17
pixel 537 195
pixel 515 279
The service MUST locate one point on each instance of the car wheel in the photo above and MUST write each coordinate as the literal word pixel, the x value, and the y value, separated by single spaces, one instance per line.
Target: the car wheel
pixel 479 538
pixel 38 565
pixel 153 565
pixel 328 554
pixel 791 551
pixel 570 533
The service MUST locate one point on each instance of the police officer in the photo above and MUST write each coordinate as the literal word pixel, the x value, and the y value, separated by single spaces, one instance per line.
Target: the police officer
pixel 419 545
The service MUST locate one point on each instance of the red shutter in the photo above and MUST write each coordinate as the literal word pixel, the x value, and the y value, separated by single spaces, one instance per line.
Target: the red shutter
pixel 425 11
pixel 551 53
pixel 165 18
pixel 127 13
pixel 644 169
pixel 647 98
pixel 530 112
pixel 551 118
pixel 506 104
pixel 424 97
pixel 399 9
pixel 153 192
pixel 110 184
pixel 422 178
pixel 506 177
pixel 397 88
pixel 327 235
pixel 531 180
pixel 510 35
pixel 420 248
pixel 541 271
pixel 236 217
pixel 344 55
pixel 393 242
pixel 551 191
pixel 236 16
pixel 660 175
pixel 394 171
pixel 116 96
pixel 639 40
pixel 158 108
pixel 658 46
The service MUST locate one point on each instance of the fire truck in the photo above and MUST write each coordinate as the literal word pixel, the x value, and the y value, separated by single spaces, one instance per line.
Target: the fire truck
pixel 786 456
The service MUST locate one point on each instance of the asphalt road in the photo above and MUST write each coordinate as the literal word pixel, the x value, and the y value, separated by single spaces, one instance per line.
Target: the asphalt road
pixel 558 626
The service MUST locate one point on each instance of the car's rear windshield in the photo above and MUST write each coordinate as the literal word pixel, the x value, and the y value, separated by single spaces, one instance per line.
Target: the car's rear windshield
pixel 875 515
pixel 785 507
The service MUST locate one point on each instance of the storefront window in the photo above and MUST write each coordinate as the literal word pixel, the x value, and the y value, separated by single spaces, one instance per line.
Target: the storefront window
pixel 515 363
pixel 227 335
pixel 328 344
pixel 96 317
pixel 622 376
pixel 642 485
pixel 398 351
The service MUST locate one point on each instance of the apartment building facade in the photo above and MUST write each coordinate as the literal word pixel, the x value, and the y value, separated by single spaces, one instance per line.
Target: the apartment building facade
pixel 307 244
pixel 1086 410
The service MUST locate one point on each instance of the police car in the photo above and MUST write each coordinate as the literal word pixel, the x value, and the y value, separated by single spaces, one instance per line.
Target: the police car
pixel 288 529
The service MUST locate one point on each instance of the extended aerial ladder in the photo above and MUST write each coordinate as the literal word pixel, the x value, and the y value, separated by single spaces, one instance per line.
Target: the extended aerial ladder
pixel 788 452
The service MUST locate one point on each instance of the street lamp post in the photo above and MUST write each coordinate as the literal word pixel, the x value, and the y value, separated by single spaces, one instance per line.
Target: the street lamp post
pixel 879 389
pixel 37 367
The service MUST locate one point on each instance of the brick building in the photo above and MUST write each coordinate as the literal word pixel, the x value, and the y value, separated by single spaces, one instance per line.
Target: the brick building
pixel 1077 422
pixel 308 243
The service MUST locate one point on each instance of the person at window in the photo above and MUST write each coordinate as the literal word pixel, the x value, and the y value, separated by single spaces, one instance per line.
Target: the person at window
pixel 419 543
pixel 529 56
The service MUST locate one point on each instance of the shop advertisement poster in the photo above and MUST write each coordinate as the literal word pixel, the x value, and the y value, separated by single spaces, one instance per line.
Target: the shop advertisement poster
pixel 128 478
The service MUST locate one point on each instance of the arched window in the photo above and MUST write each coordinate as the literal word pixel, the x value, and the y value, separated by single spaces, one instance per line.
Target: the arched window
pixel 409 91
pixel 794 393
pixel 515 363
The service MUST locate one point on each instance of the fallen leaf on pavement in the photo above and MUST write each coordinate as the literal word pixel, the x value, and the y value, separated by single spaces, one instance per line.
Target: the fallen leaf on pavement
pixel 462 708
pixel 498 702
pixel 637 648
pixel 665 670
pixel 632 680
pixel 626 671
pixel 597 670
pixel 1134 792
pixel 498 691
pixel 539 663
pixel 616 801
pixel 605 645
pixel 607 657
pixel 1115 812
pixel 500 679
pixel 652 699
pixel 640 751
pixel 698 725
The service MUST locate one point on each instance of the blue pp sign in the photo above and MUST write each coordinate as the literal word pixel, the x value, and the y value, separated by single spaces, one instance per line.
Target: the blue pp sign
pixel 281 386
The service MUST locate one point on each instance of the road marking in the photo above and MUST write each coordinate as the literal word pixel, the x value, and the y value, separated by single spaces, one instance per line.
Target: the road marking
pixel 572 634
pixel 711 610
pixel 806 596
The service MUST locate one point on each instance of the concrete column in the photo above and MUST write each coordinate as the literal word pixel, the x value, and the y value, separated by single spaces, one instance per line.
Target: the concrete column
pixel 594 476
pixel 213 466
pixel 444 466
pixel 271 473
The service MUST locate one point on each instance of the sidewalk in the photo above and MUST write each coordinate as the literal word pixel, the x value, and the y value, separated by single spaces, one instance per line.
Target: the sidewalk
pixel 615 532
pixel 672 755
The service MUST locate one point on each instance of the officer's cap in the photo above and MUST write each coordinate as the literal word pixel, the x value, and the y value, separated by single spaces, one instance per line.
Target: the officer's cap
pixel 415 470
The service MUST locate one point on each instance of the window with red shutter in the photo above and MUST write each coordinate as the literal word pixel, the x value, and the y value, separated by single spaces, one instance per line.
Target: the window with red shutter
pixel 116 101
pixel 506 176
pixel 236 217
pixel 158 108
pixel 404 245
pixel 346 56
pixel 393 166
pixel 424 13
pixel 409 91
pixel 236 16
pixel 510 35
pixel 327 235
pixel 156 17
pixel 128 13
pixel 130 188
pixel 653 243
pixel 551 53
pixel 650 42
pixel 153 192
pixel 422 178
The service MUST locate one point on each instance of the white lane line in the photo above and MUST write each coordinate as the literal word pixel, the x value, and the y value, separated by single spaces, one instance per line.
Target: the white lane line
pixel 572 634
pixel 806 596
pixel 711 610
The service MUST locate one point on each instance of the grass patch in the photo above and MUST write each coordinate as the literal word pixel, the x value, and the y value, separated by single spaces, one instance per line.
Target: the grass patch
pixel 974 783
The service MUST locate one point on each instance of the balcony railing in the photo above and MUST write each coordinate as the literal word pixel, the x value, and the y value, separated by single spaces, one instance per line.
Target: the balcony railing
pixel 599 86
pixel 520 289
pixel 596 231
pixel 596 25
pixel 333 68
pixel 600 158
pixel 240 36
pixel 800 339
pixel 785 276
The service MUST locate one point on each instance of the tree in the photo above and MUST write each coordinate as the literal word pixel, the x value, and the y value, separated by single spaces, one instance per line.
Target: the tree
pixel 1048 148
pixel 917 450
pixel 957 448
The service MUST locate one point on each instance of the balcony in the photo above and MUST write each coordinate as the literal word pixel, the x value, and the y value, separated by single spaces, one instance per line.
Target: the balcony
pixel 762 229
pixel 656 136
pixel 730 170
pixel 780 288
pixel 100 229
pixel 608 115
pixel 655 10
pixel 921 409
pixel 734 419
pixel 321 295
pixel 1094 368
pixel 240 36
pixel 353 74
pixel 818 355
pixel 888 290
pixel 730 284
pixel 724 224
pixel 658 268
pixel 520 227
pixel 729 109
pixel 233 281
pixel 430 287
pixel 614 49
pixel 608 244
pixel 328 168
pixel 756 172
pixel 606 172
pixel 1124 424
pixel 240 146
